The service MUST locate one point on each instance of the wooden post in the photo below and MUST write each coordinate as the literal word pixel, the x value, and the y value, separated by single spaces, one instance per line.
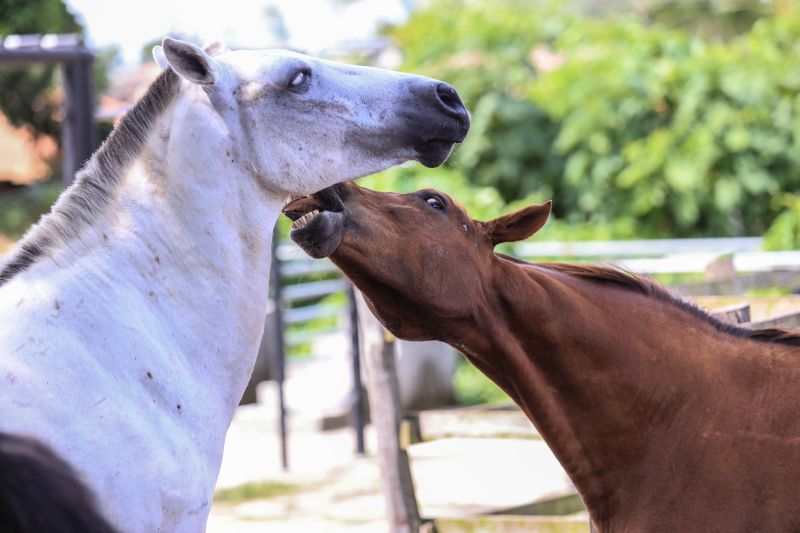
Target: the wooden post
pixel 733 314
pixel 78 130
pixel 384 398
pixel 358 408
pixel 276 290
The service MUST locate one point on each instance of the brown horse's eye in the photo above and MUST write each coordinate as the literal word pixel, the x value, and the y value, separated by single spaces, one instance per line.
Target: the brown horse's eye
pixel 435 203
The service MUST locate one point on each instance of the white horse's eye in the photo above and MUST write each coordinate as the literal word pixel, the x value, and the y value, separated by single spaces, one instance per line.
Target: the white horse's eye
pixel 298 80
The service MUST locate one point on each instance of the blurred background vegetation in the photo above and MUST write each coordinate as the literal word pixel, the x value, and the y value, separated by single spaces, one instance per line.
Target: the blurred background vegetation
pixel 639 119
pixel 30 99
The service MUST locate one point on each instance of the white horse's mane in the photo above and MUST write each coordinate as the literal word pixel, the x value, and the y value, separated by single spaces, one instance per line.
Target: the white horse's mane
pixel 96 182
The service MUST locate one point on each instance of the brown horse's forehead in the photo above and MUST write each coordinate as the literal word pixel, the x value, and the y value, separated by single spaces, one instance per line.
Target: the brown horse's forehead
pixel 455 211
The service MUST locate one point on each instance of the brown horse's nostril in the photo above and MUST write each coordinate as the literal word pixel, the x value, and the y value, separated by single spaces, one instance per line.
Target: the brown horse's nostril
pixel 450 100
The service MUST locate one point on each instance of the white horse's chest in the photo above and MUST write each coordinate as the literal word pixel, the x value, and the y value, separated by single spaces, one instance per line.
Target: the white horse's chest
pixel 148 440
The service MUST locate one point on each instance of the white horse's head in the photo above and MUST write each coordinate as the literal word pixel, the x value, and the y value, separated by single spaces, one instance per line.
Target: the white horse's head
pixel 303 124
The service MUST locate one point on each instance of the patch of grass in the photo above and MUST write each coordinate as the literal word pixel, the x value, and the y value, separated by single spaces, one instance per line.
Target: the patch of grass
pixel 256 490
pixel 770 292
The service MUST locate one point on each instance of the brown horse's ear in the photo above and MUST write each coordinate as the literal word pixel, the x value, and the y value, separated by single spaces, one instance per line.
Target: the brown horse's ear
pixel 519 225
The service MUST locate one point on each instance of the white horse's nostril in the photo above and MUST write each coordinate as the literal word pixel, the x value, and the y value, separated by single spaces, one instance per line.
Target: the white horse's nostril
pixel 449 97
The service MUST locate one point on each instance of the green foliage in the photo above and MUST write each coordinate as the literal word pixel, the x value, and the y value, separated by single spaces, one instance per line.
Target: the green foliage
pixel 681 135
pixel 104 60
pixel 510 148
pixel 26 92
pixel 480 46
pixel 473 388
pixel 146 53
pixel 784 234
pixel 633 128
pixel 720 19
pixel 22 206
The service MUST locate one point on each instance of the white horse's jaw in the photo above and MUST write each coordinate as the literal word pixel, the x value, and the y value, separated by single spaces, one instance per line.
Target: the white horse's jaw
pixel 130 320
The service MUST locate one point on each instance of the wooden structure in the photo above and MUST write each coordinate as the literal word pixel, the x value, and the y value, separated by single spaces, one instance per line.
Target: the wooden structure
pixel 79 138
pixel 378 352
pixel 719 265
pixel 297 286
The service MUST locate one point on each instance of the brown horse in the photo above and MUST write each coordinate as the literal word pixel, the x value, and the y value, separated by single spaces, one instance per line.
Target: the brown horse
pixel 664 418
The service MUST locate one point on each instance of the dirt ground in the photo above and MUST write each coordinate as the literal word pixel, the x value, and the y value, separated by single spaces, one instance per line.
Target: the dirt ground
pixel 329 489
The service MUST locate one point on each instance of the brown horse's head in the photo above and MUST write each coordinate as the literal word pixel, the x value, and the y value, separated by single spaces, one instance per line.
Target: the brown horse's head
pixel 418 258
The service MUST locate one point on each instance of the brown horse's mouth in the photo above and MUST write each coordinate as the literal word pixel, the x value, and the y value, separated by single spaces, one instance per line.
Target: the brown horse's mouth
pixel 317 221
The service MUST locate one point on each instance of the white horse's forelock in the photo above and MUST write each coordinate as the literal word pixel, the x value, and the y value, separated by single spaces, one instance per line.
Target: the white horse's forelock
pixel 95 184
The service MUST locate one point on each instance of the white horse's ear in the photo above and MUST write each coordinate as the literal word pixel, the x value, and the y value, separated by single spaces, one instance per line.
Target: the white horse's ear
pixel 189 61
pixel 159 57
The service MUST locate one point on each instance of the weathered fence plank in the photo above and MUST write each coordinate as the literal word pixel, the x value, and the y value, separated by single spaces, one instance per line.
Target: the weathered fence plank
pixel 787 321
pixel 384 399
pixel 738 313
pixel 498 421
pixel 638 248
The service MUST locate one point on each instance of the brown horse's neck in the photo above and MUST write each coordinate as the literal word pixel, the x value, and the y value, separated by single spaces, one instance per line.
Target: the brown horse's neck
pixel 605 373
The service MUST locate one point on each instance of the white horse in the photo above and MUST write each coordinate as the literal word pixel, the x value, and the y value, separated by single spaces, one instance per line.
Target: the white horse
pixel 131 314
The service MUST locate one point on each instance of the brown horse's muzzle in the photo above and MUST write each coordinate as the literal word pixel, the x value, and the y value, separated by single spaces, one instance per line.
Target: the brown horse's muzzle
pixel 317 221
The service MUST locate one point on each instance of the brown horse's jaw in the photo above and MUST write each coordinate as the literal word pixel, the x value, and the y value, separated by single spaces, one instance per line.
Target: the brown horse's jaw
pixel 317 222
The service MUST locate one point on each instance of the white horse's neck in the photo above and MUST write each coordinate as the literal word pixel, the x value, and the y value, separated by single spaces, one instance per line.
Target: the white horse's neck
pixel 186 237
pixel 196 230
pixel 141 300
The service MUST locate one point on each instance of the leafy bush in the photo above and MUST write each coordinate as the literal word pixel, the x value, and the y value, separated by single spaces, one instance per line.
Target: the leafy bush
pixel 784 234
pixel 27 98
pixel 643 130
pixel 682 135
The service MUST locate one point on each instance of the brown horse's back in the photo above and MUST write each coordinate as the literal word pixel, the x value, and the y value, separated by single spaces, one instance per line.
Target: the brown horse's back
pixel 735 464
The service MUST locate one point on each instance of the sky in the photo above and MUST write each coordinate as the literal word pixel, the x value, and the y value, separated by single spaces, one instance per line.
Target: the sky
pixel 312 25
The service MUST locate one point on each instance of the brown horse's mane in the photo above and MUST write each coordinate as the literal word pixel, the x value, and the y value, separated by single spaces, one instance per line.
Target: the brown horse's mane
pixel 617 277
